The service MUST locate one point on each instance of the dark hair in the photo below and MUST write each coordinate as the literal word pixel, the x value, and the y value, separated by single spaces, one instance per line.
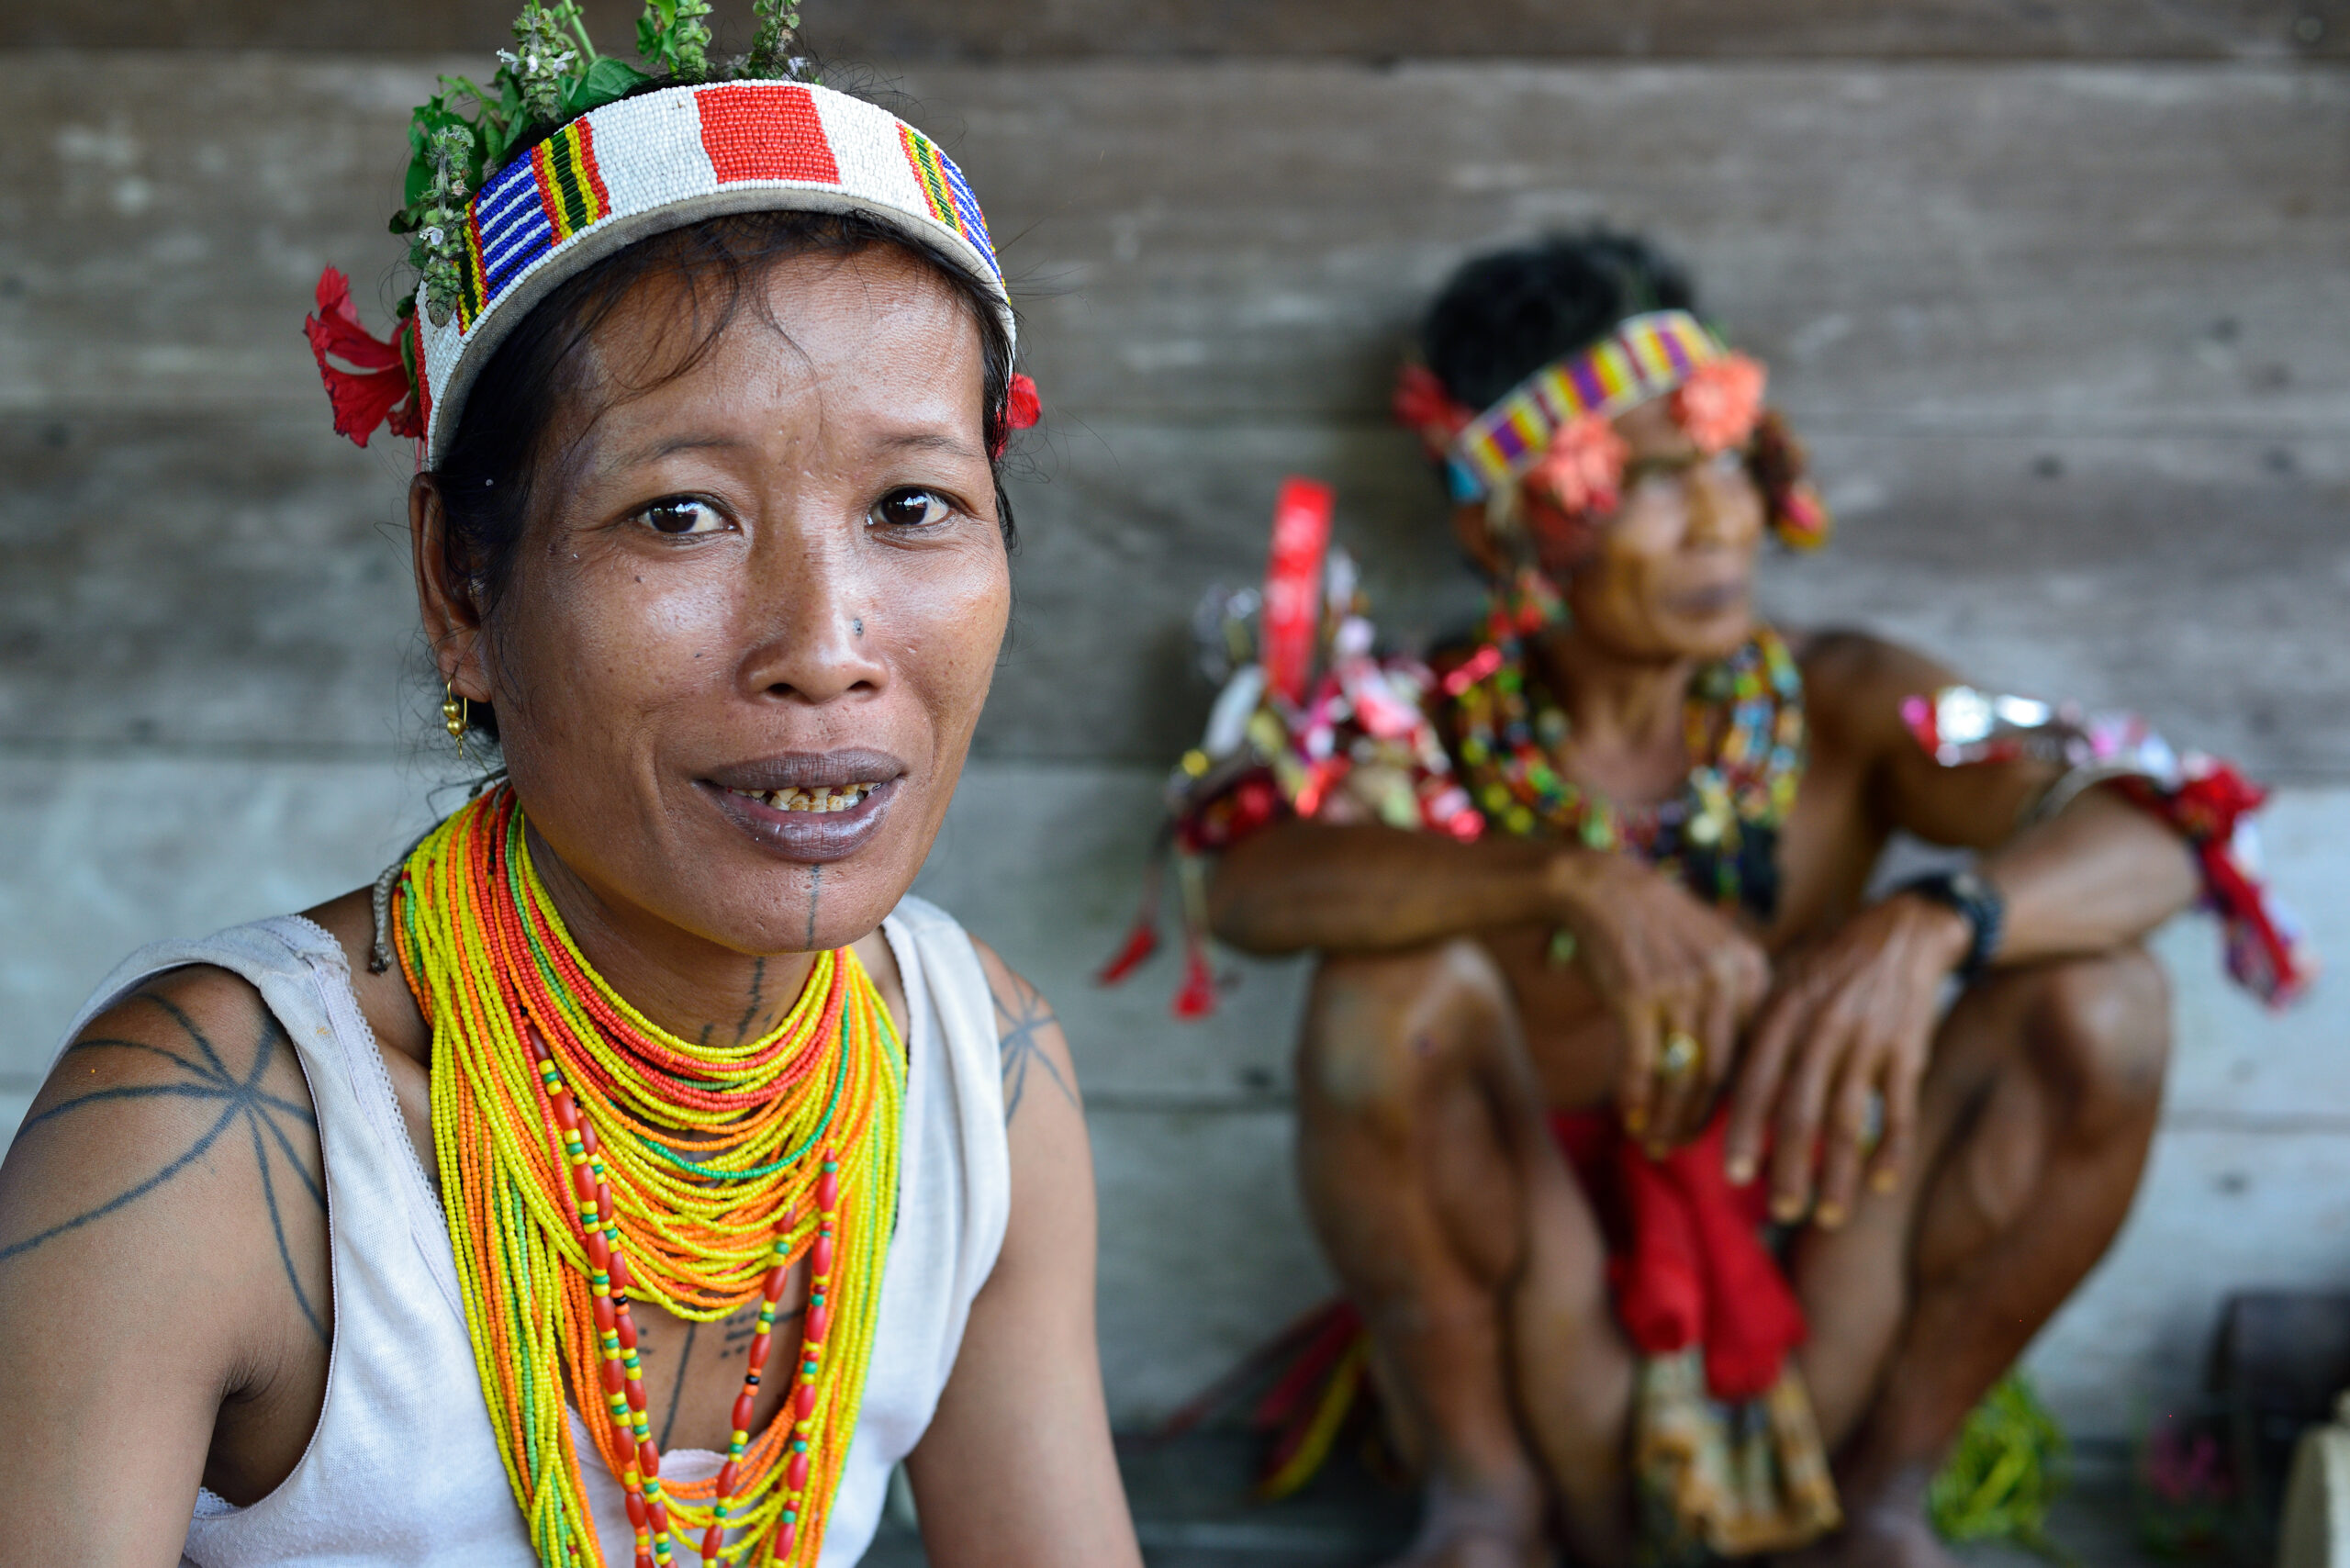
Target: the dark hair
pixel 1504 316
pixel 485 476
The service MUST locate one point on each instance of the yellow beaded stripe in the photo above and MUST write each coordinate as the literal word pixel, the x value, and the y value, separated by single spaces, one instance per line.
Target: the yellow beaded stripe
pixel 703 1167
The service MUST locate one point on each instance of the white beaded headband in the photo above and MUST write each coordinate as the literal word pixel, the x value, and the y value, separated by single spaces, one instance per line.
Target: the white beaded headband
pixel 568 156
pixel 672 157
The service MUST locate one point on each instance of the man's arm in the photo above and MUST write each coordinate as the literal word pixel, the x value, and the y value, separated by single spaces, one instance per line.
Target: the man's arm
pixel 2098 874
pixel 1851 1021
pixel 1367 889
pixel 1660 962
pixel 162 1249
pixel 1018 1467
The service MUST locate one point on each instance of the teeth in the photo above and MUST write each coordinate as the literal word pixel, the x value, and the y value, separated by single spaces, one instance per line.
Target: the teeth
pixel 817 798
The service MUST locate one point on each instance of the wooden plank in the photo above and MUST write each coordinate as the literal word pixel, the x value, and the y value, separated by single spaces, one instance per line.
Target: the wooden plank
pixel 2121 250
pixel 1030 29
pixel 180 584
pixel 245 583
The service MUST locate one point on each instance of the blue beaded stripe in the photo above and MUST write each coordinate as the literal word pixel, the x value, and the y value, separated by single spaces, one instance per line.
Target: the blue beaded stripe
pixel 514 228
pixel 967 206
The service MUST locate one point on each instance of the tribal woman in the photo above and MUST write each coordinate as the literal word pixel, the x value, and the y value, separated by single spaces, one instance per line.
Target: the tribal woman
pixel 636 1173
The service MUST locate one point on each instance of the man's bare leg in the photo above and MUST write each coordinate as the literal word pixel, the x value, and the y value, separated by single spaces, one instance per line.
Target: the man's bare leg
pixel 2035 1123
pixel 1439 1195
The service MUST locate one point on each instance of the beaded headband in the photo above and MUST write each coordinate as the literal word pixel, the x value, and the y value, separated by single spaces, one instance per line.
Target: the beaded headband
pixel 674 158
pixel 494 230
pixel 1646 356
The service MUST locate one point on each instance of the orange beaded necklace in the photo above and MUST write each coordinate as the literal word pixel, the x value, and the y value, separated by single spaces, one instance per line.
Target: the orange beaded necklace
pixel 585 1153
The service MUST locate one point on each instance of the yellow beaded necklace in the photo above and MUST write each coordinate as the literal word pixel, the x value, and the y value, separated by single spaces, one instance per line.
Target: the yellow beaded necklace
pixel 584 1152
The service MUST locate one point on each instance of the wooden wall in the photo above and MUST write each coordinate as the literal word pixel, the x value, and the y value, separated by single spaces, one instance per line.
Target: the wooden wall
pixel 2059 295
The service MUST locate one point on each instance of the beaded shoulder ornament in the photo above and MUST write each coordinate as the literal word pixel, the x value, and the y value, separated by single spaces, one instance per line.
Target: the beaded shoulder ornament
pixel 568 156
pixel 588 1157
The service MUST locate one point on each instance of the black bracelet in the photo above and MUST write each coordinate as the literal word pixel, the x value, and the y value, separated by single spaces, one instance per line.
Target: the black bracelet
pixel 1973 897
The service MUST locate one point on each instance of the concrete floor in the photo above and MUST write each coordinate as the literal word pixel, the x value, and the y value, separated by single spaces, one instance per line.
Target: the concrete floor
pixel 1191 1510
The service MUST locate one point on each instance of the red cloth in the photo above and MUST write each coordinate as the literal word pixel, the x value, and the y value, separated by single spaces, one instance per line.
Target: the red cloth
pixel 1686 1255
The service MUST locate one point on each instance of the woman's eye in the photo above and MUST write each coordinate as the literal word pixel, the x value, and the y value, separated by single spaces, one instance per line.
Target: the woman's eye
pixel 910 508
pixel 681 516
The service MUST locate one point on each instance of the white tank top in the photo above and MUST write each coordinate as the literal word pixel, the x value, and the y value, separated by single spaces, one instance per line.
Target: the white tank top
pixel 403 1469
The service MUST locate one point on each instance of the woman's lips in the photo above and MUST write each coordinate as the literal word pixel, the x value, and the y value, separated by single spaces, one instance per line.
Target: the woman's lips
pixel 809 824
pixel 1711 600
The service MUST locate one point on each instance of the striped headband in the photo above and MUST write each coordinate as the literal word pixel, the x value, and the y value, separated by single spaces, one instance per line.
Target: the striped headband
pixel 668 158
pixel 1646 356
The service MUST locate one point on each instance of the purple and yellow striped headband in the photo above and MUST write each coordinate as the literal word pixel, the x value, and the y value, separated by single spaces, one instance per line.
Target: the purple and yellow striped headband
pixel 1646 356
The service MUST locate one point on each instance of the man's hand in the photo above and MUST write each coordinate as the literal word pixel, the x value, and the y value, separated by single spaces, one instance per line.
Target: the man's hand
pixel 1849 1020
pixel 1673 971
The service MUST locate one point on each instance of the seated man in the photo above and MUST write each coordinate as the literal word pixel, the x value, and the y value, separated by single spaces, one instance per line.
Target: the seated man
pixel 1662 1164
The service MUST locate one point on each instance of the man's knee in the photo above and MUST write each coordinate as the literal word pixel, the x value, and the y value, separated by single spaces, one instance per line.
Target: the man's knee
pixel 1379 1025
pixel 2099 1034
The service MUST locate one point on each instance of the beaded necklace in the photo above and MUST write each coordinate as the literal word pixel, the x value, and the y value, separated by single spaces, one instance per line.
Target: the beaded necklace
pixel 585 1153
pixel 1743 721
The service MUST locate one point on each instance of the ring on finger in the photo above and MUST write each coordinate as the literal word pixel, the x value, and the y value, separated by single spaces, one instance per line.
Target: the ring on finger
pixel 1683 1055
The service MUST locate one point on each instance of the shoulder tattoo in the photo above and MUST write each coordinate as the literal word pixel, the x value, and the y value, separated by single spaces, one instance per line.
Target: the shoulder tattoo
pixel 1021 1016
pixel 242 1115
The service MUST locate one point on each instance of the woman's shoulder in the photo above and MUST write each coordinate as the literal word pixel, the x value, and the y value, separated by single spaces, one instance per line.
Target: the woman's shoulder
pixel 173 1154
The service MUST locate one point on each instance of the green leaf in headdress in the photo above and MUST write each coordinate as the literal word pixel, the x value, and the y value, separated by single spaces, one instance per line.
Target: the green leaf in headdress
pixel 605 82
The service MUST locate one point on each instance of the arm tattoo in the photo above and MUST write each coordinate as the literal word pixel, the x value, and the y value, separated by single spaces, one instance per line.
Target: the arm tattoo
pixel 1021 1017
pixel 241 1100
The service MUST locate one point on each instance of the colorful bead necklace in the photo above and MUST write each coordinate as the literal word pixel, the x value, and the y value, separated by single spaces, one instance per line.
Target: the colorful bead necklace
pixel 1743 722
pixel 585 1153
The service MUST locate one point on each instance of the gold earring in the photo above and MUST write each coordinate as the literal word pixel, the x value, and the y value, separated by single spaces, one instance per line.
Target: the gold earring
pixel 454 714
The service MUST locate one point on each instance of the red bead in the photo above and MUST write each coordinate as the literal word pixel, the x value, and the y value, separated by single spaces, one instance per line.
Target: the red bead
pixel 828 1192
pixel 612 1376
pixel 772 1288
pixel 627 1331
pixel 600 1254
pixel 566 1113
pixel 587 1136
pixel 741 1412
pixel 635 1394
pixel 604 1201
pixel 644 1560
pixel 604 1318
pixel 660 1512
pixel 583 1181
pixel 797 1476
pixel 729 1473
pixel 758 1351
pixel 620 1271
pixel 820 1256
pixel 783 1535
pixel 712 1540
pixel 648 1463
pixel 820 1318
pixel 803 1400
pixel 636 1514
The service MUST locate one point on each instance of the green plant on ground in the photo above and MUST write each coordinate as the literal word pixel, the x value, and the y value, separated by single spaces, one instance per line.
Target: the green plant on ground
pixel 2005 1471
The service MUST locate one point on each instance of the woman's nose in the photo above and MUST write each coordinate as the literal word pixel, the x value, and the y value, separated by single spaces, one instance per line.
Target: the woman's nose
pixel 811 603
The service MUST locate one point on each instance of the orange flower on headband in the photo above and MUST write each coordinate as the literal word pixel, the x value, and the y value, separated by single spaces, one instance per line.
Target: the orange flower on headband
pixel 1718 404
pixel 1583 469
